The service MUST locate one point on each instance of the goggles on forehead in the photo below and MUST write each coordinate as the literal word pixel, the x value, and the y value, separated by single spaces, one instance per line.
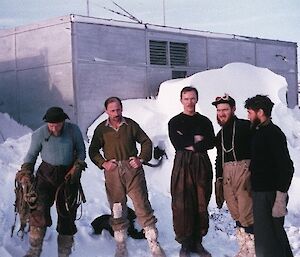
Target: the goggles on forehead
pixel 225 98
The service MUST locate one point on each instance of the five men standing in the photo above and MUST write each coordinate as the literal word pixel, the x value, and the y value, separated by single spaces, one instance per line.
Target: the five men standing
pixel 256 150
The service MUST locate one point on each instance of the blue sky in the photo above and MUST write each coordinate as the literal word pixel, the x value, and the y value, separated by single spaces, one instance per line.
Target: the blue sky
pixel 272 19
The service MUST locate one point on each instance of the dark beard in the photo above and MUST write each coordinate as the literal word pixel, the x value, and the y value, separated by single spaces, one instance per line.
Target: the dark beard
pixel 224 124
pixel 255 123
pixel 219 122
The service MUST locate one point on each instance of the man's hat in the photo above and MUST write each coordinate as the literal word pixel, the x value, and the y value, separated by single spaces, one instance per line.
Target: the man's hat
pixel 55 115
pixel 226 99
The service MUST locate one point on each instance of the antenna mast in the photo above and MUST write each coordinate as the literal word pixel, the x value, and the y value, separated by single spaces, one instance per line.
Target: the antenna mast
pixel 88 7
pixel 164 12
pixel 125 13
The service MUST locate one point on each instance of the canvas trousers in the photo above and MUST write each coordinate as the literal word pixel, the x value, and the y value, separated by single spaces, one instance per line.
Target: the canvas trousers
pixel 191 188
pixel 270 237
pixel 125 180
pixel 48 180
pixel 237 191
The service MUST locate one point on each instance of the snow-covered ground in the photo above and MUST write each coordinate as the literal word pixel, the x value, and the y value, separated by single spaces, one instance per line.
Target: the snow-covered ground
pixel 240 81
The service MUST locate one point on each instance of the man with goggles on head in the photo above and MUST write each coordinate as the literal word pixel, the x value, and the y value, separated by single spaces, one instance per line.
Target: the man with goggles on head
pixel 232 171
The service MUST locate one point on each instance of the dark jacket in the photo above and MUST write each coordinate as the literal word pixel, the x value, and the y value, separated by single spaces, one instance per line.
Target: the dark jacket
pixel 271 166
pixel 242 143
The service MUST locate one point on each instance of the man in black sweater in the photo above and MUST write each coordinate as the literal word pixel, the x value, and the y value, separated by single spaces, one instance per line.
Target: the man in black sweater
pixel 271 174
pixel 232 171
pixel 192 135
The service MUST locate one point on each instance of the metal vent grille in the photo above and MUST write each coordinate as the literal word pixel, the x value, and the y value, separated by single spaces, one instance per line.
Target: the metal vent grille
pixel 176 74
pixel 158 52
pixel 178 54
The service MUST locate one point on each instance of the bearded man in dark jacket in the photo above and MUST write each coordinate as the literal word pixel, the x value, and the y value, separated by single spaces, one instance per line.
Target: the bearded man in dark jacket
pixel 271 175
pixel 192 135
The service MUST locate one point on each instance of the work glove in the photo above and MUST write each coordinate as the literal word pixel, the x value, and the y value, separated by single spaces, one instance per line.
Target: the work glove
pixel 219 193
pixel 74 174
pixel 279 207
pixel 25 175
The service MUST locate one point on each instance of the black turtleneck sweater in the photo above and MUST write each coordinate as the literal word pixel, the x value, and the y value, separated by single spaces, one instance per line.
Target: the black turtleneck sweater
pixel 183 128
pixel 271 166
pixel 242 142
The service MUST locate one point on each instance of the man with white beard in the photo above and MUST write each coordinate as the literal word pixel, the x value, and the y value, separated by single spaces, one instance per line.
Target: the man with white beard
pixel 232 171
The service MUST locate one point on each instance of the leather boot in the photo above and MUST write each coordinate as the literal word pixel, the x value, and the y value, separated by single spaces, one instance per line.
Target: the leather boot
pixel 36 237
pixel 64 245
pixel 151 235
pixel 120 237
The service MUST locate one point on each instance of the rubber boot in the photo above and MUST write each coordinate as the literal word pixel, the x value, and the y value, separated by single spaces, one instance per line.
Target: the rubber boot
pixel 36 237
pixel 64 245
pixel 121 249
pixel 151 235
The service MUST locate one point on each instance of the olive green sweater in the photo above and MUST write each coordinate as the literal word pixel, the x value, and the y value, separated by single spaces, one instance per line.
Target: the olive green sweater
pixel 119 145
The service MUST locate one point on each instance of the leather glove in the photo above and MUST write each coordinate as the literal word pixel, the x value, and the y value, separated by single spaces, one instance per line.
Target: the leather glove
pixel 74 174
pixel 80 165
pixel 27 166
pixel 279 207
pixel 24 176
pixel 219 192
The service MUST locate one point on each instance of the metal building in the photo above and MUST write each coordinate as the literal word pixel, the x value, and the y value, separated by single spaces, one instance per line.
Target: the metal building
pixel 76 62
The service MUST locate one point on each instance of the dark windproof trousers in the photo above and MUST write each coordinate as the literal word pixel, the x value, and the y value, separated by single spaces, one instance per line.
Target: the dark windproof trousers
pixel 191 188
pixel 270 237
pixel 49 178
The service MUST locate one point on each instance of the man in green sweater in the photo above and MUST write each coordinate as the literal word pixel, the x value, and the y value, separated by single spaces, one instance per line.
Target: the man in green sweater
pixel 124 175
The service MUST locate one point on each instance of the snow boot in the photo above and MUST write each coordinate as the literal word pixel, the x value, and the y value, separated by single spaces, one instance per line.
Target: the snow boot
pixel 120 237
pixel 250 245
pixel 64 245
pixel 36 237
pixel 200 250
pixel 151 235
pixel 184 251
pixel 241 237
